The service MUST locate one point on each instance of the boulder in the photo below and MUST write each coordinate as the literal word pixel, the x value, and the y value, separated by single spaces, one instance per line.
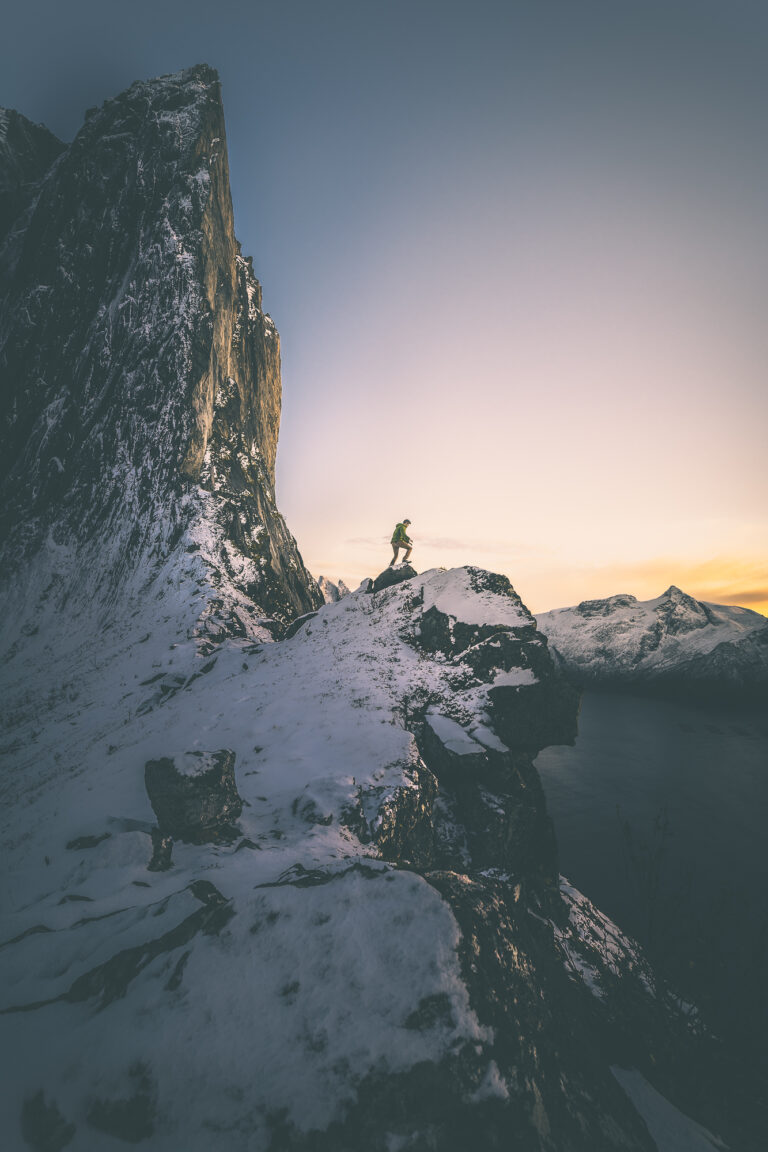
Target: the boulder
pixel 391 576
pixel 197 799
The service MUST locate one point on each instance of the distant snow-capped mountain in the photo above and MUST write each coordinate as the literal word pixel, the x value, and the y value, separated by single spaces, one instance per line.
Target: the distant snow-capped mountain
pixel 332 593
pixel 673 640
pixel 27 151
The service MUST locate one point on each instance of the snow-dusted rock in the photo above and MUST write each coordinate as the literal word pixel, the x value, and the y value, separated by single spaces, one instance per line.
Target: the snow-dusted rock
pixel 142 378
pixel 194 798
pixel 394 574
pixel 380 957
pixel 332 593
pixel 673 641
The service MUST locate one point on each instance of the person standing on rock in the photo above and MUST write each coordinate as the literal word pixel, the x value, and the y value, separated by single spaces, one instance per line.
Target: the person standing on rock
pixel 400 540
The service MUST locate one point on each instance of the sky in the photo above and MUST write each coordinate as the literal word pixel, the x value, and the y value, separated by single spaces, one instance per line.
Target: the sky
pixel 517 255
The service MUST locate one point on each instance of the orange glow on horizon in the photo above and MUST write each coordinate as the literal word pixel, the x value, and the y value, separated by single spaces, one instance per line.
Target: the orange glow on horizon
pixel 546 581
pixel 738 581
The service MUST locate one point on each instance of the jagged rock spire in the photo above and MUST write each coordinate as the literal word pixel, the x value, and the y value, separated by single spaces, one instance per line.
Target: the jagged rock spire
pixel 27 151
pixel 143 375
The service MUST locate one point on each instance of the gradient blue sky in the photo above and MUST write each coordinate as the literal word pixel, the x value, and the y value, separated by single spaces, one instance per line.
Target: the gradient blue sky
pixel 518 258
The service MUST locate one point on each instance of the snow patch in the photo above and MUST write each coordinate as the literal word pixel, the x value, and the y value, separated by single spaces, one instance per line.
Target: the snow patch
pixel 670 1129
pixel 452 736
pixel 451 592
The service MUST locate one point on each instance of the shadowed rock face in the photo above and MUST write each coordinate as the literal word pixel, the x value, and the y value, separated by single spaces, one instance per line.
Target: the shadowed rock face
pixel 144 376
pixel 42 1125
pixel 198 800
pixel 27 151
pixel 391 576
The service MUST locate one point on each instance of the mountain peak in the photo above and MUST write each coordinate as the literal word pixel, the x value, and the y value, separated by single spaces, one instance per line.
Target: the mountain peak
pixel 27 151
pixel 144 375
pixel 332 591
pixel 675 593
pixel 708 649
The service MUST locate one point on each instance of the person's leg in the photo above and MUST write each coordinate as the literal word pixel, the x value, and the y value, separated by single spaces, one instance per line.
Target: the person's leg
pixel 395 550
pixel 407 556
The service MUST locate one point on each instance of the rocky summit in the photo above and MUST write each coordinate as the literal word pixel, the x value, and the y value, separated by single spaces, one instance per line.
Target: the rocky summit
pixel 279 874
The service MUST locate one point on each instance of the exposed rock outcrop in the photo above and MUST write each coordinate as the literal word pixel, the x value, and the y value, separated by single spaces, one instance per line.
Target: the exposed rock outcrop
pixel 196 800
pixel 391 576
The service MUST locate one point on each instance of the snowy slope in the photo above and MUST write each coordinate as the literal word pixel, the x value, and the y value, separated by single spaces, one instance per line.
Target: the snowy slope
pixel 386 906
pixel 672 638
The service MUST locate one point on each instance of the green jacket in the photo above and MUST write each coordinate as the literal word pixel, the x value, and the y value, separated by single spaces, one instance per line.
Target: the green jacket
pixel 400 536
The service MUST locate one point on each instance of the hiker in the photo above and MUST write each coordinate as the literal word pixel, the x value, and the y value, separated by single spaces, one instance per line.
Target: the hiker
pixel 400 540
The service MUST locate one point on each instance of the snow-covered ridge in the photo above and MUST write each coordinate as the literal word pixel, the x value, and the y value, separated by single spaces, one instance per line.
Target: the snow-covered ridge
pixel 296 979
pixel 623 639
pixel 450 593
pixel 322 730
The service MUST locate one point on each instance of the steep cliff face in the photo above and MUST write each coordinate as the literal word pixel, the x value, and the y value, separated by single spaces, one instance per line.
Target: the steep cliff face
pixel 27 151
pixel 143 374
